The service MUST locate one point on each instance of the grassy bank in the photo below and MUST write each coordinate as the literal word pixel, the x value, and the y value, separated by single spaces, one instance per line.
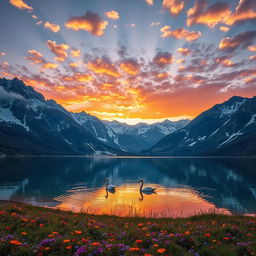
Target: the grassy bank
pixel 29 230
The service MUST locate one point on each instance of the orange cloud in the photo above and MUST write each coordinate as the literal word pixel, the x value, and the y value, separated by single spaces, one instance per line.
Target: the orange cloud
pixel 34 16
pixel 78 77
pixel 90 22
pixel 113 15
pixel 184 51
pixel 76 53
pixel 35 57
pixel 174 6
pixel 224 62
pixel 179 61
pixel 102 66
pixel 163 59
pixel 224 28
pixel 49 65
pixel 243 40
pixel 149 2
pixel 244 12
pixel 252 48
pixel 60 50
pixel 180 33
pixel 211 16
pixel 130 66
pixel 21 4
pixel 53 27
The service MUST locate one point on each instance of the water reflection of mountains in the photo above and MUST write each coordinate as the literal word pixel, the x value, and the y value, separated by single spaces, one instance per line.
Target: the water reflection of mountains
pixel 230 182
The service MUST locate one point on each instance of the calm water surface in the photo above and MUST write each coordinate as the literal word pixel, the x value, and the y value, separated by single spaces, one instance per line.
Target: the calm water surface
pixel 185 186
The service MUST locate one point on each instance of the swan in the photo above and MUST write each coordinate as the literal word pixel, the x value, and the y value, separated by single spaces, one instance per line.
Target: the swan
pixel 109 187
pixel 146 190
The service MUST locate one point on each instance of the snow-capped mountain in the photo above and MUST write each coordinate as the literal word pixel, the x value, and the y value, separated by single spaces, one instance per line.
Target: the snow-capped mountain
pixel 98 129
pixel 29 124
pixel 225 129
pixel 143 136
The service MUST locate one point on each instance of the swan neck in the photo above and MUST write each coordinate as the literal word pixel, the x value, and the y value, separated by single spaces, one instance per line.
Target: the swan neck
pixel 141 185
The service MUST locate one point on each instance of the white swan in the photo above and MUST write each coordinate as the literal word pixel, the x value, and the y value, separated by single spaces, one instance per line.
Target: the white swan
pixel 146 190
pixel 109 187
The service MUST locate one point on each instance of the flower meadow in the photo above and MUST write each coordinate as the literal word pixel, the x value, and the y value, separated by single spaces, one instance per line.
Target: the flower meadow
pixel 30 230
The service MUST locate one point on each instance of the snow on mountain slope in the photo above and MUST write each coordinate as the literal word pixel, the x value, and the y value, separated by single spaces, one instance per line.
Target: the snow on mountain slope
pixel 214 129
pixel 142 136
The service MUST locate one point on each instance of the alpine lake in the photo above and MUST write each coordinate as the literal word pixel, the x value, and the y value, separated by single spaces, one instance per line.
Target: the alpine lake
pixel 185 186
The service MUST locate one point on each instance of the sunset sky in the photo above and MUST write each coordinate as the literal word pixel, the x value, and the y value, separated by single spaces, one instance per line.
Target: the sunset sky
pixel 132 61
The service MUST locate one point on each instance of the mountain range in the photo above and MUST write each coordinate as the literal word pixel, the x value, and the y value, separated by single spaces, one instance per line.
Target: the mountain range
pixel 227 129
pixel 30 124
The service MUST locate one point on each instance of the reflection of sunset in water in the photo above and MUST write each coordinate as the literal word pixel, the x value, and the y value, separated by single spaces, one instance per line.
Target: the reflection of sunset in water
pixel 127 202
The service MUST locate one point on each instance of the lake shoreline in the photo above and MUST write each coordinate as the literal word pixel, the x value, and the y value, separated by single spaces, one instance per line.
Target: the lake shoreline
pixel 32 230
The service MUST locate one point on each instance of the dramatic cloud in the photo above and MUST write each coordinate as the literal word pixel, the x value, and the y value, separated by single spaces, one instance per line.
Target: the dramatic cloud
pixel 60 50
pixel 35 56
pixel 174 6
pixel 224 62
pixel 252 48
pixel 76 53
pixel 130 66
pixel 211 16
pixel 49 65
pixel 114 15
pixel 150 2
pixel 180 33
pixel 184 51
pixel 242 40
pixel 224 28
pixel 103 66
pixel 245 11
pixel 163 59
pixel 21 4
pixel 53 27
pixel 90 22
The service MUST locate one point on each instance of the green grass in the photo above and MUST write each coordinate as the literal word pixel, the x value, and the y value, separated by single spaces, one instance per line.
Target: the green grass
pixel 29 230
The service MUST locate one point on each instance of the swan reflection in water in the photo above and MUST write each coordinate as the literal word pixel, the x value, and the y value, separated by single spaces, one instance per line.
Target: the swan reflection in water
pixel 109 188
pixel 146 190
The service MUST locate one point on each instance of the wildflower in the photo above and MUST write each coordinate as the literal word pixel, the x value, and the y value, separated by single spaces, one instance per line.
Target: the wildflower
pixel 23 233
pixel 138 241
pixel 146 254
pixel 69 247
pixel 47 248
pixel 41 225
pixel 207 235
pixel 161 250
pixel 155 245
pixel 15 242
pixel 134 249
pixel 66 241
pixel 95 243
pixel 78 232
pixel 55 233
pixel 140 224
pixel 187 233
pixel 226 238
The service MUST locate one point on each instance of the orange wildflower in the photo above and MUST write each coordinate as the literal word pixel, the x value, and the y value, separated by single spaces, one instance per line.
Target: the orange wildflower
pixel 69 247
pixel 138 241
pixel 47 248
pixel 23 233
pixel 95 243
pixel 134 249
pixel 41 225
pixel 55 233
pixel 66 241
pixel 147 254
pixel 187 233
pixel 78 232
pixel 140 224
pixel 161 250
pixel 155 245
pixel 15 242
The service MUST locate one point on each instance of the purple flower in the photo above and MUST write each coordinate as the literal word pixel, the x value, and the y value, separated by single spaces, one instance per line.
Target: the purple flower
pixel 8 237
pixel 80 251
pixel 46 242
pixel 243 243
